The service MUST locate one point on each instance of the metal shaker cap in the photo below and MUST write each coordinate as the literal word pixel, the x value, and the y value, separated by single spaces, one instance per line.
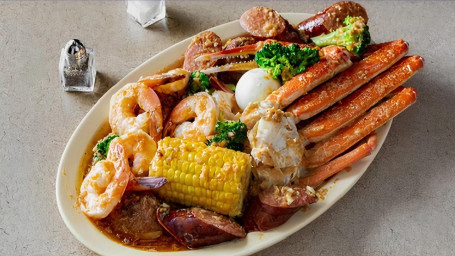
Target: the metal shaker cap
pixel 75 51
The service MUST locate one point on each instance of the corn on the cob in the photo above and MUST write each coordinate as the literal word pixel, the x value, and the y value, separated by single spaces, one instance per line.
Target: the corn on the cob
pixel 211 177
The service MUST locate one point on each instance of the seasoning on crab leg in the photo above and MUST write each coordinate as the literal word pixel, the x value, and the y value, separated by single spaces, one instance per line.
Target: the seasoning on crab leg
pixel 339 87
pixel 361 100
pixel 276 205
pixel 324 151
pixel 318 175
pixel 335 60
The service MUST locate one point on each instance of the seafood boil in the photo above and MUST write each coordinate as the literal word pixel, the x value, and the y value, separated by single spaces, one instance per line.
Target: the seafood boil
pixel 241 136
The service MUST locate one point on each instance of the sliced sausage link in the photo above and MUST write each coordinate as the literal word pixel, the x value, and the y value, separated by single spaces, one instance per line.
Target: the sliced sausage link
pixel 196 227
pixel 262 22
pixel 203 43
pixel 331 18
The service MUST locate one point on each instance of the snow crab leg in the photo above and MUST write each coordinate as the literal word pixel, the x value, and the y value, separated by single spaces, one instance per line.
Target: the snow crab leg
pixel 335 60
pixel 361 100
pixel 360 73
pixel 318 175
pixel 325 151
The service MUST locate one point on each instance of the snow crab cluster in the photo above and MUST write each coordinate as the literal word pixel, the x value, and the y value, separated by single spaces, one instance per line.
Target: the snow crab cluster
pixel 300 129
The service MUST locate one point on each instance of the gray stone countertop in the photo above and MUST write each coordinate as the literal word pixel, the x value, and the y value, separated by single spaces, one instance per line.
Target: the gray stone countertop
pixel 403 205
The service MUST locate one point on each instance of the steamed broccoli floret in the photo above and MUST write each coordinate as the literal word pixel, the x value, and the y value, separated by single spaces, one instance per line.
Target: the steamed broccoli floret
pixel 199 82
pixel 102 148
pixel 230 134
pixel 354 36
pixel 285 62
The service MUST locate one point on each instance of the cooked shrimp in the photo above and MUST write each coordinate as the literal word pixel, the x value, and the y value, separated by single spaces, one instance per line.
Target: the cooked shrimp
pixel 136 107
pixel 226 104
pixel 193 118
pixel 103 187
pixel 139 149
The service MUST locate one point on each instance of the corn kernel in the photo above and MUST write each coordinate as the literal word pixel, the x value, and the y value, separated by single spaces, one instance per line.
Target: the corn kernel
pixel 211 177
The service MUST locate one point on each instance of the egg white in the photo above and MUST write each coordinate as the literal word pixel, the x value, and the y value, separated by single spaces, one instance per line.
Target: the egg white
pixel 255 85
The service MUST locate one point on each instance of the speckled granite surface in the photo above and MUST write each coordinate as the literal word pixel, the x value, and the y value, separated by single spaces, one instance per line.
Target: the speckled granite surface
pixel 403 205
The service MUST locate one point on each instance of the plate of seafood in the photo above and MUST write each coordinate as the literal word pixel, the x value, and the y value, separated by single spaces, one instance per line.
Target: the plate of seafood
pixel 232 140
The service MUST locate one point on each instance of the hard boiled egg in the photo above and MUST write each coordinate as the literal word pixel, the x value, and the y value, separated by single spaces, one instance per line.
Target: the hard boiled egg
pixel 254 86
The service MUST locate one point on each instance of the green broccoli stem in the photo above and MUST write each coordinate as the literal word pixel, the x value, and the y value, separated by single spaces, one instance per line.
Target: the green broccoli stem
pixel 333 38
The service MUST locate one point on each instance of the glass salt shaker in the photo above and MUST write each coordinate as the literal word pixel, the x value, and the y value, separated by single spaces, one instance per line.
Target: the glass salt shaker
pixel 77 67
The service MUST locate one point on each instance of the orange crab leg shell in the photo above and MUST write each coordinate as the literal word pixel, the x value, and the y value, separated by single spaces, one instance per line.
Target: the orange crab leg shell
pixel 361 100
pixel 342 85
pixel 324 151
pixel 335 59
pixel 318 175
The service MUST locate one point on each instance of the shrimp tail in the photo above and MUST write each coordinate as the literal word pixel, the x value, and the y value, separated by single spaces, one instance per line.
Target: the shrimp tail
pixel 122 168
pixel 146 183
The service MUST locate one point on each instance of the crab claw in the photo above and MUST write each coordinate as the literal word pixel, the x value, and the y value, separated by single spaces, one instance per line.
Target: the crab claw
pixel 242 51
pixel 237 52
pixel 241 66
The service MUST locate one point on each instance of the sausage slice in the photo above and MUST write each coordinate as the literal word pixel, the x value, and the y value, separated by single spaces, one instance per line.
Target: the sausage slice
pixel 196 227
pixel 331 18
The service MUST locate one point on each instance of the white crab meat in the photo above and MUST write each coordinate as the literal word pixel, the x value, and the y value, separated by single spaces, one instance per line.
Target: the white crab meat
pixel 270 176
pixel 275 141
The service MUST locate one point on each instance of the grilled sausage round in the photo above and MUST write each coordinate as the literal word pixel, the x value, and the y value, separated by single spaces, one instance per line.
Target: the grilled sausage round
pixel 275 206
pixel 196 227
pixel 205 42
pixel 265 23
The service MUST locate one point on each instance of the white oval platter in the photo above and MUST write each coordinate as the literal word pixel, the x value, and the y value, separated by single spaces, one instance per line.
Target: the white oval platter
pixel 68 176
